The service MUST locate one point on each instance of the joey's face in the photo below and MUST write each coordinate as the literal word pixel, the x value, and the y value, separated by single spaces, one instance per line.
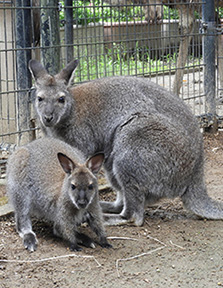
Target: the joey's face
pixel 83 187
pixel 52 104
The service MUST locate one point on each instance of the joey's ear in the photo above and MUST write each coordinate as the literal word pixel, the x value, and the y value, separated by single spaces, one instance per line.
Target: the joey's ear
pixel 67 74
pixel 95 162
pixel 66 163
pixel 37 70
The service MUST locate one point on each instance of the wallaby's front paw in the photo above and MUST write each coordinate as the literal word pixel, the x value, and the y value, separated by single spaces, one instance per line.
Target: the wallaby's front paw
pixel 75 247
pixel 84 240
pixel 89 244
pixel 30 242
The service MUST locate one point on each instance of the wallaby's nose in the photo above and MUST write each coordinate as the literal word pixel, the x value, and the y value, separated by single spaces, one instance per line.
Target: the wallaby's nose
pixel 48 119
pixel 82 203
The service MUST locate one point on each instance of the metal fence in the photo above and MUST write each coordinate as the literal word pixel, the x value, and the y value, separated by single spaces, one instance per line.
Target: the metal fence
pixel 110 37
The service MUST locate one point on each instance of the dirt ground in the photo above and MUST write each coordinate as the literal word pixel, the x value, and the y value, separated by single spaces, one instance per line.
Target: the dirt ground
pixel 172 249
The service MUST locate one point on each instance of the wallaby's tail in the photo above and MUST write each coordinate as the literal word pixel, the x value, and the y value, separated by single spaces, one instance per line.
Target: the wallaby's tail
pixel 197 200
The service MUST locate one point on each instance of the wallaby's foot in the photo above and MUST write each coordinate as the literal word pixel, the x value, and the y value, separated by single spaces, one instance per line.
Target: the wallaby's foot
pixel 84 240
pixel 114 219
pixel 111 207
pixel 75 247
pixel 30 242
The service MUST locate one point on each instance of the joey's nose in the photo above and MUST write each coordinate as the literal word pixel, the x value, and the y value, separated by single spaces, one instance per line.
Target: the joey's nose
pixel 82 203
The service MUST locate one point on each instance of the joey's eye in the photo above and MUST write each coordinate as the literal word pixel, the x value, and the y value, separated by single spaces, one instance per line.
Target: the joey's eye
pixel 39 99
pixel 61 99
pixel 73 187
pixel 90 187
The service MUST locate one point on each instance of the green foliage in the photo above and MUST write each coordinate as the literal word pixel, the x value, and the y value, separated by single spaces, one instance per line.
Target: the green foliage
pixel 220 12
pixel 169 13
pixel 116 62
pixel 86 12
pixel 95 11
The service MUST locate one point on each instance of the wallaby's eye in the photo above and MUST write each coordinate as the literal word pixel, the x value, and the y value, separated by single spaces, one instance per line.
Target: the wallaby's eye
pixel 73 187
pixel 90 187
pixel 61 99
pixel 39 99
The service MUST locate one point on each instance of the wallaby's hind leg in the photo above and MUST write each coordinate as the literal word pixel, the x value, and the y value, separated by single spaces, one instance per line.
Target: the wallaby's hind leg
pixel 130 200
pixel 24 228
pixel 197 200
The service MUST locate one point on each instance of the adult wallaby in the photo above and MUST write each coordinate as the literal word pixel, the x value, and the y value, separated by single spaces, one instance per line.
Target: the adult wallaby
pixel 49 179
pixel 152 143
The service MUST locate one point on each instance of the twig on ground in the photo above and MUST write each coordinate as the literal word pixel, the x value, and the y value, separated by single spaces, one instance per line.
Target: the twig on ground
pixel 137 256
pixel 155 239
pixel 50 259
pixel 142 254
pixel 157 209
pixel 122 238
pixel 171 242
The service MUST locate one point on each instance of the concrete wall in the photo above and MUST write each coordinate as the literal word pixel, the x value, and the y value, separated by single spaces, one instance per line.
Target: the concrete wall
pixel 156 39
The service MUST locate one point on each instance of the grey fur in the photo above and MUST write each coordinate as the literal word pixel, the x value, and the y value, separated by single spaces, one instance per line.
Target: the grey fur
pixel 152 144
pixel 43 181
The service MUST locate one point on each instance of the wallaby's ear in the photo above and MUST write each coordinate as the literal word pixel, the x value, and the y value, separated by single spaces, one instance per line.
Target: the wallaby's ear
pixel 37 70
pixel 95 162
pixel 67 74
pixel 66 163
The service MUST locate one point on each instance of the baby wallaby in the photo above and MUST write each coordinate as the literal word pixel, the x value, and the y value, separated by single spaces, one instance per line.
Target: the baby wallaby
pixel 151 140
pixel 49 179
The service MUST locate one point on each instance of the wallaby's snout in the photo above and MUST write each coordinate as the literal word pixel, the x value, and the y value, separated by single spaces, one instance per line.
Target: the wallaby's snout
pixel 48 119
pixel 47 109
pixel 82 200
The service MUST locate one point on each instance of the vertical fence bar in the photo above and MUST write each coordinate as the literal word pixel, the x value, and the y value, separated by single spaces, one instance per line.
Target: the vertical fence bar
pixel 209 43
pixel 69 30
pixel 50 35
pixel 23 55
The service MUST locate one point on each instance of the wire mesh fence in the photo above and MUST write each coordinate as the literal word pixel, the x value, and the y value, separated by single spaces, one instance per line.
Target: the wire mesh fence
pixel 112 37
